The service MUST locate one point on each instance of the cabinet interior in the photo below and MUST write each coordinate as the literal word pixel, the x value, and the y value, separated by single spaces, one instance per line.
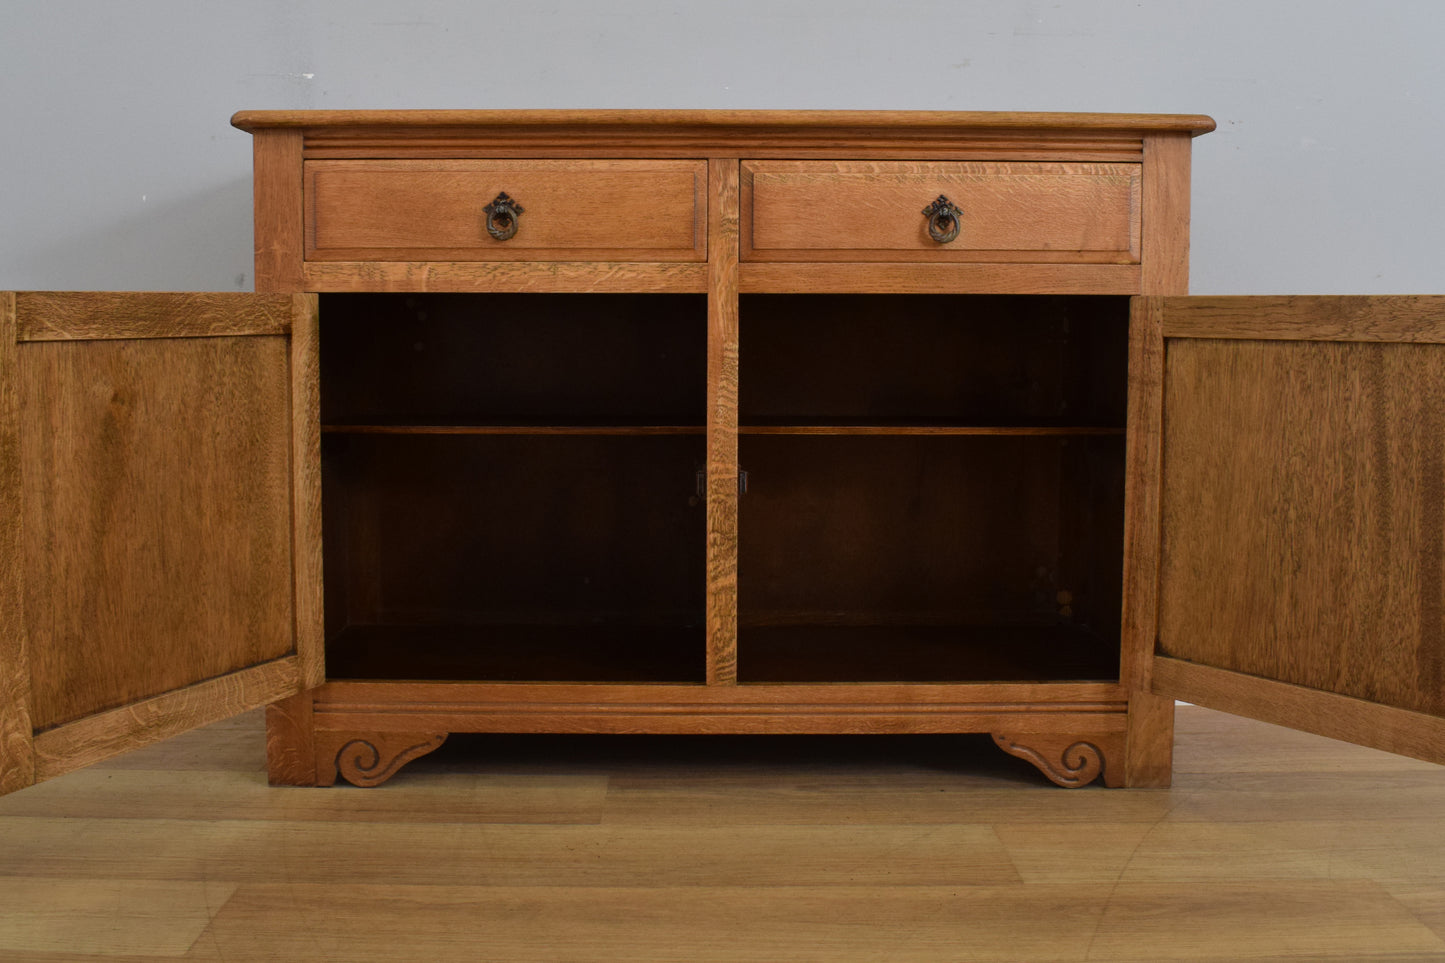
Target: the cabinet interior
pixel 934 487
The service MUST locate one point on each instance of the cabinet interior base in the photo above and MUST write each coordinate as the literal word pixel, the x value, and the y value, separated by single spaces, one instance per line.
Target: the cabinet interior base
pixel 766 654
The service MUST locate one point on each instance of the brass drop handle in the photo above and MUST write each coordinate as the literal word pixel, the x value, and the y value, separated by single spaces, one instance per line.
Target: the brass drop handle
pixel 944 219
pixel 502 215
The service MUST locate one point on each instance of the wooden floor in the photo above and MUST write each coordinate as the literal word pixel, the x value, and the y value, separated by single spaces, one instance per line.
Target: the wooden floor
pixel 1271 846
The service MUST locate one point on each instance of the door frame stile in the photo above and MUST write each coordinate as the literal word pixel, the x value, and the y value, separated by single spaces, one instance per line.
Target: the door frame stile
pixel 17 746
pixel 722 422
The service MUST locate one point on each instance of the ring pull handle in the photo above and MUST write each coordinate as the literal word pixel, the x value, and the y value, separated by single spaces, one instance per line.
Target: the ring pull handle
pixel 944 219
pixel 502 215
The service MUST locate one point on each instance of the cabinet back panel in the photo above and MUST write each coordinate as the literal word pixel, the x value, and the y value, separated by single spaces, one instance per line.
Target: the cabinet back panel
pixel 538 530
pixel 157 515
pixel 933 358
pixel 931 531
pixel 513 359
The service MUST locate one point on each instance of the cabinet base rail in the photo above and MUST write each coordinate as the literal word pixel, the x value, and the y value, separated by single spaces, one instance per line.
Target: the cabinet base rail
pixel 366 732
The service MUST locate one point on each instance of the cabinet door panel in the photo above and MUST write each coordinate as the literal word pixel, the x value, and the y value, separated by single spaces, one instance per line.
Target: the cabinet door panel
pixel 1302 514
pixel 160 584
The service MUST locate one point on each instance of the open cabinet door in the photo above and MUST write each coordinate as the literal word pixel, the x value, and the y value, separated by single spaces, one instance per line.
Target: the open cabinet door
pixel 1302 513
pixel 159 518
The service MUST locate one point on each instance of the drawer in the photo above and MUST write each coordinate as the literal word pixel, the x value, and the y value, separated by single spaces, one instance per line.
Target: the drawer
pixel 569 210
pixel 874 211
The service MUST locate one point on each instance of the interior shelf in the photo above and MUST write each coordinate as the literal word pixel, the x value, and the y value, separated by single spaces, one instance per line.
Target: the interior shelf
pixel 925 654
pixel 445 429
pixel 923 429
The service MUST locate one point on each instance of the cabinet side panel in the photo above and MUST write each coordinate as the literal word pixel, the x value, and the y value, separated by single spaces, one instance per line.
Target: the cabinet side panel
pixel 1303 533
pixel 722 424
pixel 157 515
pixel 17 758
pixel 1165 219
pixel 278 210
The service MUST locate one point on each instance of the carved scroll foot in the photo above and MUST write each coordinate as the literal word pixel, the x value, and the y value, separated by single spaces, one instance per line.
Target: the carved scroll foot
pixel 1067 758
pixel 369 758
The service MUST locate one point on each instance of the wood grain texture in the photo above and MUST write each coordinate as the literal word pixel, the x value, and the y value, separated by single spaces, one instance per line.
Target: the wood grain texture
pixel 1070 760
pixel 157 515
pixel 368 759
pixel 1149 745
pixel 887 120
pixel 104 734
pixel 1418 319
pixel 757 277
pixel 1365 723
pixel 291 741
pixel 277 198
pixel 722 423
pixel 1303 515
pixel 578 210
pixel 778 709
pixel 1166 214
pixel 871 211
pixel 442 696
pixel 1276 846
pixel 567 277
pixel 308 586
pixel 1142 453
pixel 103 315
pixel 122 920
pixel 17 759
pixel 1148 751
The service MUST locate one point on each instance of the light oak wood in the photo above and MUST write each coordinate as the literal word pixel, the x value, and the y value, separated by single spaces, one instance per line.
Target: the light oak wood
pixel 153 460
pixel 566 277
pixel 1407 318
pixel 871 211
pixel 17 758
pixel 1143 445
pixel 1302 529
pixel 98 736
pixel 308 584
pixel 913 278
pixel 369 759
pixel 1417 734
pixel 103 315
pixel 277 199
pixel 291 755
pixel 1166 213
pixel 1069 760
pixel 1150 741
pixel 603 210
pixel 157 515
pixel 1030 164
pixel 722 424
pixel 888 120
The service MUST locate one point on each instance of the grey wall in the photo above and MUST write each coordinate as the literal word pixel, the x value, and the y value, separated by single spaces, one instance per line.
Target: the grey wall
pixel 118 168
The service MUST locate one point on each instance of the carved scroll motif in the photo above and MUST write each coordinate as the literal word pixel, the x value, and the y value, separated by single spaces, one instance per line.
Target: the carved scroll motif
pixel 372 759
pixel 1066 758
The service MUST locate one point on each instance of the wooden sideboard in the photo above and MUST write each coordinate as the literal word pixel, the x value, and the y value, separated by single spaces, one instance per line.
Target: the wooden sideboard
pixel 717 422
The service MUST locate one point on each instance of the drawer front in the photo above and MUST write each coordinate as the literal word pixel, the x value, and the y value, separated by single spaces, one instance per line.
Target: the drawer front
pixel 874 211
pixel 570 210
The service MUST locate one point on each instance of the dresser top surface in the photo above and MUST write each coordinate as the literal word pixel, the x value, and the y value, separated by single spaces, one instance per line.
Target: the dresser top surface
pixel 937 121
